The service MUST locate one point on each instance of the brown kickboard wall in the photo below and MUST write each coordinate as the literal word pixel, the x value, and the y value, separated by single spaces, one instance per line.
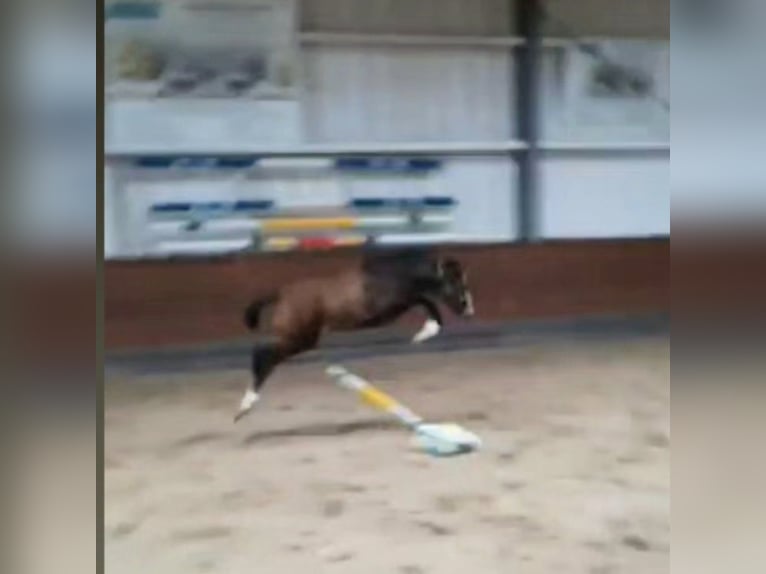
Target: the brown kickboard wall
pixel 151 304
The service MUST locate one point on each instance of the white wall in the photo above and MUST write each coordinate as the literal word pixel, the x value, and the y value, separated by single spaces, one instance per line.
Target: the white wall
pixel 568 115
pixel 401 94
pixel 354 94
pixel 187 125
pixel 605 196
pixel 111 240
pixel 597 194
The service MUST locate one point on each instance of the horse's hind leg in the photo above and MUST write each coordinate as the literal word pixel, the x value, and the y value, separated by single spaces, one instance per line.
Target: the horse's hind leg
pixel 265 357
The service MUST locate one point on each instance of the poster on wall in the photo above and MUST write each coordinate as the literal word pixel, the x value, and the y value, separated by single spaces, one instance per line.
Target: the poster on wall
pixel 201 49
pixel 618 89
pixel 200 75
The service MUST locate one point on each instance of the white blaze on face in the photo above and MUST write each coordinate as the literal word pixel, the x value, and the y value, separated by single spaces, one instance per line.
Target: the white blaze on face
pixel 429 329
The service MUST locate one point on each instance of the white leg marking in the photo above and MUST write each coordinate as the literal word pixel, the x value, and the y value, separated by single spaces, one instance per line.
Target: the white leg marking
pixel 246 405
pixel 429 329
pixel 469 310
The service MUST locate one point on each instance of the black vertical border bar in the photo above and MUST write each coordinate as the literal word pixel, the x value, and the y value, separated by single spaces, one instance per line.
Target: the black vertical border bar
pixel 529 25
pixel 100 172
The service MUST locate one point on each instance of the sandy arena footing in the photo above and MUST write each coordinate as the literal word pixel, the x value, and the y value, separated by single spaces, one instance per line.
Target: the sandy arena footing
pixel 573 478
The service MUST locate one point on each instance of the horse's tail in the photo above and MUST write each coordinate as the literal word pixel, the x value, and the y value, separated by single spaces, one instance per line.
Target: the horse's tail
pixel 252 313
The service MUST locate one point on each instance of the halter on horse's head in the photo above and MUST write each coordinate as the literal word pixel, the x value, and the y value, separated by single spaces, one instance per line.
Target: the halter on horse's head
pixel 454 284
pixel 444 278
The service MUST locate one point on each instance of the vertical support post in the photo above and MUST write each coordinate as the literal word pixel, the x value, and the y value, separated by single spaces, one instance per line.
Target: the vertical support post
pixel 529 22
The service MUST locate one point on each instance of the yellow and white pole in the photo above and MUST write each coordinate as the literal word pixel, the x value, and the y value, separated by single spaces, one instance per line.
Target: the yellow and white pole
pixel 436 439
pixel 373 396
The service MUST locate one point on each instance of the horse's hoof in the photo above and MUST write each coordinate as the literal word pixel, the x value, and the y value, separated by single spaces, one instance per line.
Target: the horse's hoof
pixel 246 405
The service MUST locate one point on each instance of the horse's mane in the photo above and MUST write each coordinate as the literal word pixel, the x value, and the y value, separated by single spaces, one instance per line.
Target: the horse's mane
pixel 397 260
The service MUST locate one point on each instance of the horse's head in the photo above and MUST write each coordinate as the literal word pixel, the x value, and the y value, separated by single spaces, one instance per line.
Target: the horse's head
pixel 454 287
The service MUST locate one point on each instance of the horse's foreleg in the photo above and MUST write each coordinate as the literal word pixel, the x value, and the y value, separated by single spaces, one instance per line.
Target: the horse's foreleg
pixel 433 323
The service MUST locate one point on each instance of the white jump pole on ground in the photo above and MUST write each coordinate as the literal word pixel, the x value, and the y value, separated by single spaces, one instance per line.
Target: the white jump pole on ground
pixel 436 439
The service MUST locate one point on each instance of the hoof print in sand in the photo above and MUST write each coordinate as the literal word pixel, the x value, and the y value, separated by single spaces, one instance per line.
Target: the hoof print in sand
pixel 636 543
pixel 435 529
pixel 333 508
pixel 335 554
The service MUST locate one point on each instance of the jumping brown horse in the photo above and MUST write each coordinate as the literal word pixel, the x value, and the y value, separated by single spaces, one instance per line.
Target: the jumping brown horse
pixel 383 288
